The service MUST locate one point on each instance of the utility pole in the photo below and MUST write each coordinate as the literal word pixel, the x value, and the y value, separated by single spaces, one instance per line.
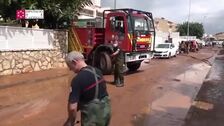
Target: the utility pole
pixel 188 24
pixel 203 21
pixel 115 4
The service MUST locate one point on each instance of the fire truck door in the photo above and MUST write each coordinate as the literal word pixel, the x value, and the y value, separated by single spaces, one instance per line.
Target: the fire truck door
pixel 116 30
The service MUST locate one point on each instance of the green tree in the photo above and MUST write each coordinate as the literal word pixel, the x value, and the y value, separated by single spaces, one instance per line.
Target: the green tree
pixel 195 29
pixel 62 11
pixel 7 9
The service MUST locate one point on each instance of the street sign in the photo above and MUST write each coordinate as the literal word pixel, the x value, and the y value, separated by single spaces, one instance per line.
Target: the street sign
pixel 34 14
pixel 29 14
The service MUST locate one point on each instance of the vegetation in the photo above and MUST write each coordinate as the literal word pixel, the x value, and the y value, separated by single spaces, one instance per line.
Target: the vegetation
pixel 195 29
pixel 57 13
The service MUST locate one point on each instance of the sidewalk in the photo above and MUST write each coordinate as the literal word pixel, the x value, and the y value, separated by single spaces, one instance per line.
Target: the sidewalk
pixel 208 107
pixel 24 95
pixel 14 80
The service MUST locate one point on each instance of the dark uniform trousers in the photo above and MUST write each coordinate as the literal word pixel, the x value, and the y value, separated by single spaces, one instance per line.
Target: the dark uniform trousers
pixel 118 72
pixel 96 112
pixel 118 67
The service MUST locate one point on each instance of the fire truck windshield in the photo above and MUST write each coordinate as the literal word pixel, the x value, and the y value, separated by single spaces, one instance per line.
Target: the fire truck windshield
pixel 142 25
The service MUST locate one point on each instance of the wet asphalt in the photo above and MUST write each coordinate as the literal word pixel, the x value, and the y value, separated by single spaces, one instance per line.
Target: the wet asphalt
pixel 171 97
pixel 207 108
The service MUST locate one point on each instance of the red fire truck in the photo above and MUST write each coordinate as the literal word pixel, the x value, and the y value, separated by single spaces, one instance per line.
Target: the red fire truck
pixel 136 37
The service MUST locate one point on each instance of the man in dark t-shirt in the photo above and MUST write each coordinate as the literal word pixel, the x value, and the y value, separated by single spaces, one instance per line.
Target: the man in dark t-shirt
pixel 88 93
pixel 83 84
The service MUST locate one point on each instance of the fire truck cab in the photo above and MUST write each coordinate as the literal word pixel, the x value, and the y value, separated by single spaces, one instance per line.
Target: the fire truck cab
pixel 133 29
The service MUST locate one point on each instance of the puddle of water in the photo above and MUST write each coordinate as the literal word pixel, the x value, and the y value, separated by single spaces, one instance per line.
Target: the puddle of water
pixel 195 74
pixel 172 107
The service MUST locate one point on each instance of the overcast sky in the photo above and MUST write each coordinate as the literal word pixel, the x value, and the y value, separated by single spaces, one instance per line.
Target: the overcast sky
pixel 208 12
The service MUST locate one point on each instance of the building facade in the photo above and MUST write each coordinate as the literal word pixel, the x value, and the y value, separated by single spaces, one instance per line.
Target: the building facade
pixel 164 25
pixel 93 11
pixel 219 36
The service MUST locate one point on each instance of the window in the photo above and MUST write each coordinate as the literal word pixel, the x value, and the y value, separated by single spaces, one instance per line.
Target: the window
pixel 163 46
pixel 117 24
pixel 87 12
pixel 141 24
pixel 99 14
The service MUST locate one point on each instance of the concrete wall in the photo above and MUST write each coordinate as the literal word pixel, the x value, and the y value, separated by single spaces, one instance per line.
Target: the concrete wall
pixel 161 37
pixel 23 61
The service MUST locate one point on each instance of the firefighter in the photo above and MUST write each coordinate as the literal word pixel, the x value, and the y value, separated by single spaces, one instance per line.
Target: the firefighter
pixel 118 60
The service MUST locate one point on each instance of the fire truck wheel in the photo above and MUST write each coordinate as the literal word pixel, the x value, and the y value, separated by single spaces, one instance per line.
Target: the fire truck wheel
pixel 133 66
pixel 105 63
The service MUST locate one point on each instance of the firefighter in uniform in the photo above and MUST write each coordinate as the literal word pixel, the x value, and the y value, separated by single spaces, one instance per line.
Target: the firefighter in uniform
pixel 118 59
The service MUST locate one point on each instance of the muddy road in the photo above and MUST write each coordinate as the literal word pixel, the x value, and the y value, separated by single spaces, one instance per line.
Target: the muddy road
pixel 158 94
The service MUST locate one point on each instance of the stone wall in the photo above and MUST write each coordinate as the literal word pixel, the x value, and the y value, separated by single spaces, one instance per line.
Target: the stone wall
pixel 16 62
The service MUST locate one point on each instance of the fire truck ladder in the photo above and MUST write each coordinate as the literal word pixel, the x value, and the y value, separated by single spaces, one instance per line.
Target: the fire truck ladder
pixel 74 43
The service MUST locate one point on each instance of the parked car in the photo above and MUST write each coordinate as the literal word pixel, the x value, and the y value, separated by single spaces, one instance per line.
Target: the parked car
pixel 165 50
pixel 208 43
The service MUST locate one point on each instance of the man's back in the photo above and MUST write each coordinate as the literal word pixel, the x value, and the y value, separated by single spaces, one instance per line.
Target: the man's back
pixel 88 94
pixel 84 84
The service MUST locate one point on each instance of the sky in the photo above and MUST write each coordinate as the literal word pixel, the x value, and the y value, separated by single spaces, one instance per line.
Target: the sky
pixel 208 12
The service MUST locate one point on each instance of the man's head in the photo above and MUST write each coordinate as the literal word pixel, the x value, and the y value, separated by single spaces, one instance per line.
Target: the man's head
pixel 115 43
pixel 75 61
